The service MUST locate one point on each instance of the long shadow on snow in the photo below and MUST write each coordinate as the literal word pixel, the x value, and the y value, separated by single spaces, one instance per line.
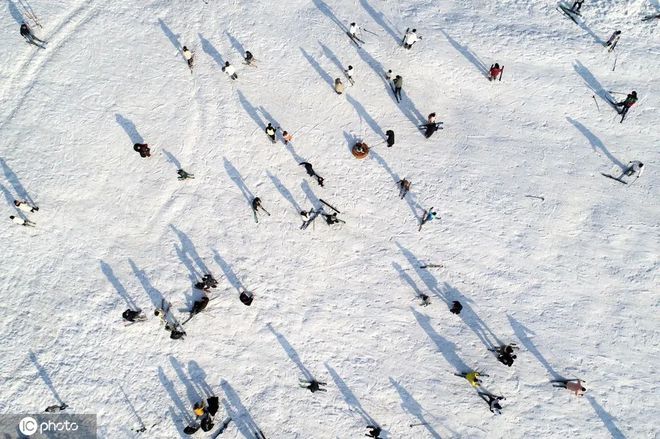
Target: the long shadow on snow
pixel 382 21
pixel 192 393
pixel 228 272
pixel 174 39
pixel 132 407
pixel 412 113
pixel 182 408
pixel 172 159
pixel 284 191
pixel 521 332
pixel 210 50
pixel 446 348
pixel 409 280
pixel 15 183
pixel 327 11
pixel 198 377
pixel 596 143
pixel 607 419
pixel 410 405
pixel 251 111
pixel 467 54
pixel 591 33
pixel 8 196
pixel 311 196
pixel 235 43
pixel 45 377
pixel 332 57
pixel 349 397
pixel 395 177
pixel 15 13
pixel 107 270
pixel 130 128
pixel 364 115
pixel 471 318
pixel 238 180
pixel 291 352
pixel 188 255
pixel 238 413
pixel 155 295
pixel 593 83
pixel 322 73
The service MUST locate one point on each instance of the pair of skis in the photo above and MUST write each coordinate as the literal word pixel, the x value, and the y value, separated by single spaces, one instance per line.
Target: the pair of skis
pixel 613 178
pixel 569 12
pixel 355 40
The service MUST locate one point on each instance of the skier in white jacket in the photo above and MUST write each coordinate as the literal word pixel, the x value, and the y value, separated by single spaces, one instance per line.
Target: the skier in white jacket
pixel 634 167
pixel 188 56
pixel 230 70
pixel 21 221
pixel 354 31
pixel 25 207
pixel 410 38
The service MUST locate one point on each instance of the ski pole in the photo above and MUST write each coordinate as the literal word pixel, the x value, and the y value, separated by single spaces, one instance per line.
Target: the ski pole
pixel 616 92
pixel 419 423
pixel 367 30
pixel 614 66
pixel 597 106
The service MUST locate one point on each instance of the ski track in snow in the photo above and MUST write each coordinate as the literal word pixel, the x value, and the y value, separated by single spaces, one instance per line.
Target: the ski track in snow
pixel 571 279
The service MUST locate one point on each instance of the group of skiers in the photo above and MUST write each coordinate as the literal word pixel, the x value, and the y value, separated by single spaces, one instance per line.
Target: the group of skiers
pixel 26 207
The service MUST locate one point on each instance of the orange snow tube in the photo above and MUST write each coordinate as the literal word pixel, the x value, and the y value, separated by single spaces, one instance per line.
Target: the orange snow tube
pixel 360 150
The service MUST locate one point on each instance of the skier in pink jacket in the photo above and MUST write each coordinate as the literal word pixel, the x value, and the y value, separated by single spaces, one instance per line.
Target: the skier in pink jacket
pixel 573 385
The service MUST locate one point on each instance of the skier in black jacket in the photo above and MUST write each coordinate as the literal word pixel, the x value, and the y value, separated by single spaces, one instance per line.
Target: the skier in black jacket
pixel 311 173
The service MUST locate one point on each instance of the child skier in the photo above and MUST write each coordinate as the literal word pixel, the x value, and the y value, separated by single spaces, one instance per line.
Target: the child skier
pixel 287 137
pixel 614 39
pixel 230 70
pixel 249 58
pixel 349 72
pixel 495 72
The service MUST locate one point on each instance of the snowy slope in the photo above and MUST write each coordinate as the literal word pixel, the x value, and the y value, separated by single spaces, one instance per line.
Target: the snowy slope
pixel 572 279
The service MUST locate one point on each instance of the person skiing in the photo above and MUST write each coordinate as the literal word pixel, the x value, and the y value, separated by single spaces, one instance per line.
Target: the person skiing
pixel 188 56
pixel 398 85
pixel 246 297
pixel 56 408
pixel 577 5
pixel 29 36
pixel 493 401
pixel 353 32
pixel 613 40
pixel 22 222
pixel 572 385
pixel 256 205
pixel 249 58
pixel 143 149
pixel 25 207
pixel 349 72
pixel 634 167
pixel 313 385
pixel 199 305
pixel 430 129
pixel 270 131
pixel 230 70
pixel 183 175
pixel 331 218
pixel 404 187
pixel 627 103
pixel 133 315
pixel 312 173
pixel 473 378
pixel 388 75
pixel 374 431
pixel 287 137
pixel 390 138
pixel 505 354
pixel 410 38
pixel 495 72
pixel 456 307
pixel 339 86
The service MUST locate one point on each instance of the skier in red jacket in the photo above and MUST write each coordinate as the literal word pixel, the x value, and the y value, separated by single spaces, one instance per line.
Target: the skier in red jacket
pixel 495 72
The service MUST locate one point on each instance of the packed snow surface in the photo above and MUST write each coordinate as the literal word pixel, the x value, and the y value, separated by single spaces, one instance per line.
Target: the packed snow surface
pixel 571 277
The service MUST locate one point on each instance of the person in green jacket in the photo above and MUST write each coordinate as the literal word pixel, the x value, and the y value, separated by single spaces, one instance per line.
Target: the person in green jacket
pixel 630 100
